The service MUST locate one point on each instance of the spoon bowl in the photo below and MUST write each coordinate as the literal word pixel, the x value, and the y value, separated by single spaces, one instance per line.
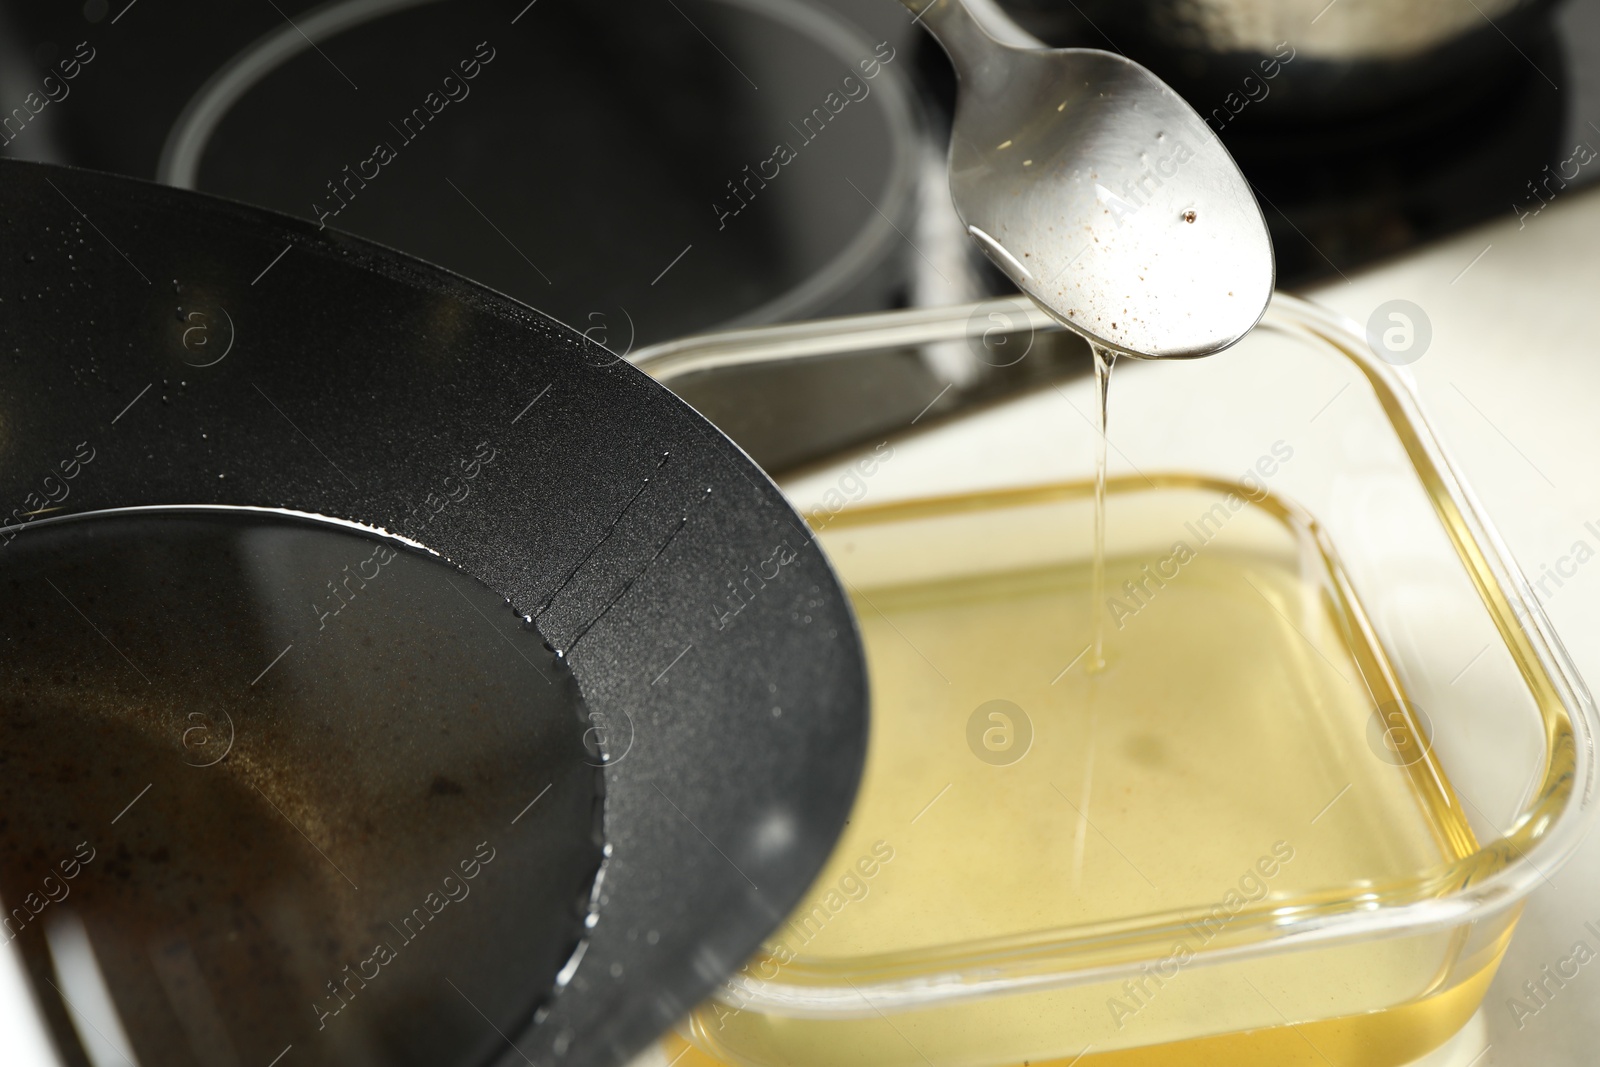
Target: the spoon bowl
pixel 1101 193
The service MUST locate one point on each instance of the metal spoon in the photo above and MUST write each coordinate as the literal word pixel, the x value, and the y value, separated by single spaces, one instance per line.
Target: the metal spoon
pixel 1099 191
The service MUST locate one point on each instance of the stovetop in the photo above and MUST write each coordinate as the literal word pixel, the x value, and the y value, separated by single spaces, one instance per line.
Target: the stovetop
pixel 1338 195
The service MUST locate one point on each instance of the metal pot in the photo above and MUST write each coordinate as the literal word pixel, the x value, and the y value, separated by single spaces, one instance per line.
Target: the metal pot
pixel 1315 58
pixel 567 182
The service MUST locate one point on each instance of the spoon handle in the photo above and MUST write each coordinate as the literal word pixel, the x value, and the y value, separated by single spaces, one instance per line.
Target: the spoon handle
pixel 997 23
pixel 988 16
pixel 966 40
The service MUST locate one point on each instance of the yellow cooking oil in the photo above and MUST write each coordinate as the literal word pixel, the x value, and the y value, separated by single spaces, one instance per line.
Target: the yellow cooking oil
pixel 1244 747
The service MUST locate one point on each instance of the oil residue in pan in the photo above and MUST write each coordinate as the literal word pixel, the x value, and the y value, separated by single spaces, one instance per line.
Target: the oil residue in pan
pixel 267 781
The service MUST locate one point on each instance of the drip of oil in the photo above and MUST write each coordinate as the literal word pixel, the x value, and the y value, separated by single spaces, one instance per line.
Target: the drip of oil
pixel 277 776
pixel 1237 768
pixel 1104 361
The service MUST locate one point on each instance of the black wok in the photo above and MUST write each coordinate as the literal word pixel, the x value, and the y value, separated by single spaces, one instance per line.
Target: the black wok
pixel 220 358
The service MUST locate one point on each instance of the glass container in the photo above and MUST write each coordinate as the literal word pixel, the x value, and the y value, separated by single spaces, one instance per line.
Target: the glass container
pixel 1328 886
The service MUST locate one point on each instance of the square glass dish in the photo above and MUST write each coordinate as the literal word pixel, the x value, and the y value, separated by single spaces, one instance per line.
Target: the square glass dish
pixel 1287 816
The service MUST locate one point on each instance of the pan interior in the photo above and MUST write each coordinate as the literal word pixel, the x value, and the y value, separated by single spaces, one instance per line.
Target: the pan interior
pixel 270 781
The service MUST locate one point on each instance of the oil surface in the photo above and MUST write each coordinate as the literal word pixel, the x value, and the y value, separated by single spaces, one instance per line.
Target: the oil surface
pixel 274 782
pixel 1244 747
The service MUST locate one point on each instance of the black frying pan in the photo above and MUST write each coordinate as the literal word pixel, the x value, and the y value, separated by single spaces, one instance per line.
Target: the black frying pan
pixel 220 357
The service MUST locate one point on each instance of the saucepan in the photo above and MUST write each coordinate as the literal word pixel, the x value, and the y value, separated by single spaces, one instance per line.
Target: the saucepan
pixel 651 125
